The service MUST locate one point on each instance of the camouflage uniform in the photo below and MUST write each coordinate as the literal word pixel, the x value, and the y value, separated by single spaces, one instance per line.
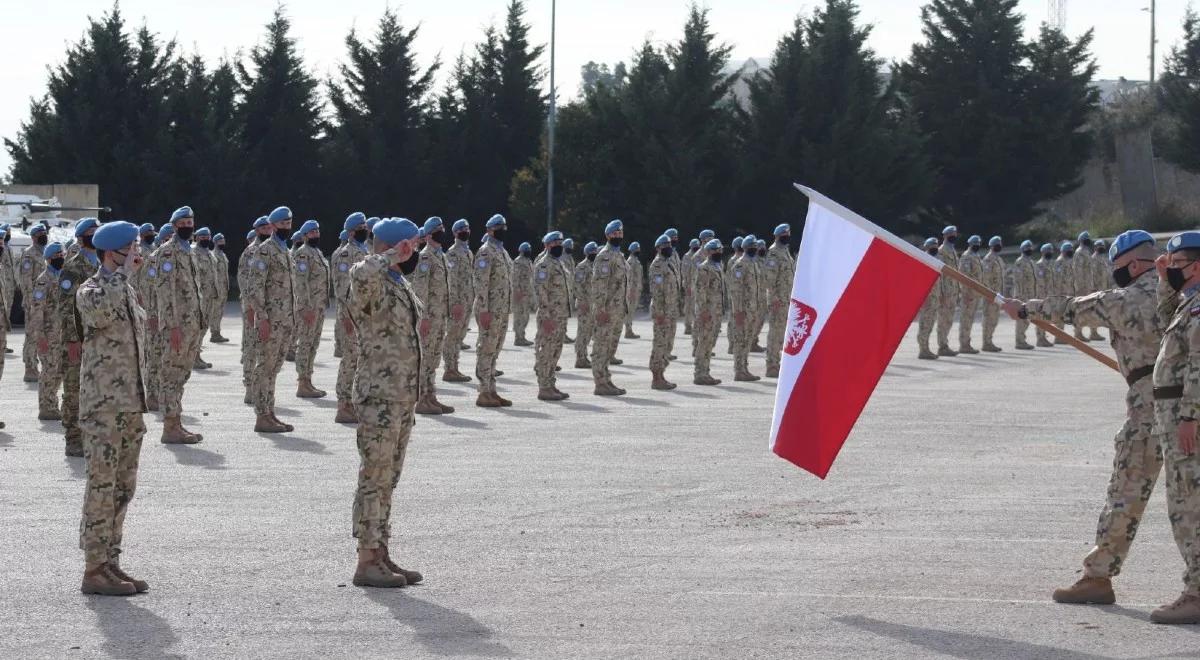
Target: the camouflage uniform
pixel 310 281
pixel 1081 278
pixel 1062 281
pixel 926 319
pixel 385 311
pixel 460 264
pixel 46 324
pixel 145 284
pixel 6 294
pixel 8 273
pixel 664 310
pixel 31 265
pixel 1046 287
pixel 249 333
pixel 779 273
pixel 993 278
pixel 344 259
pixel 217 305
pixel 75 271
pixel 948 291
pixel 207 280
pixel 609 295
pixel 587 322
pixel 111 402
pixel 523 299
pixel 743 302
pixel 271 298
pixel 180 305
pixel 431 283
pixel 687 284
pixel 1024 288
pixel 637 274
pixel 493 294
pixel 970 265
pixel 710 299
pixel 552 285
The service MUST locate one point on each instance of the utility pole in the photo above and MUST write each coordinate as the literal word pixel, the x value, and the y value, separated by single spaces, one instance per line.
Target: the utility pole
pixel 550 129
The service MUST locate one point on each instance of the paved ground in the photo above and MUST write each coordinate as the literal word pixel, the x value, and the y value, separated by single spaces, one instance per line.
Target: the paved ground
pixel 654 525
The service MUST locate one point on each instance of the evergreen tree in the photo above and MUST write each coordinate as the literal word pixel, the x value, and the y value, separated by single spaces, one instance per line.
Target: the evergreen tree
pixel 1180 93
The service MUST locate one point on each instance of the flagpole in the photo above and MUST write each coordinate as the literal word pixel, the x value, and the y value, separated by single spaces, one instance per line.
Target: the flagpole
pixel 997 299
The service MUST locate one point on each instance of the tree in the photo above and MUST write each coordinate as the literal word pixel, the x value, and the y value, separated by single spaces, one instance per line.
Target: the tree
pixel 1180 94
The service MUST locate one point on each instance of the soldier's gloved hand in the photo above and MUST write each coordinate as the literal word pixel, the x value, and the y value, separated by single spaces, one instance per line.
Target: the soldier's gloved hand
pixel 177 339
pixel 1160 265
pixel 1187 437
pixel 456 312
pixel 424 326
pixel 74 352
pixel 485 320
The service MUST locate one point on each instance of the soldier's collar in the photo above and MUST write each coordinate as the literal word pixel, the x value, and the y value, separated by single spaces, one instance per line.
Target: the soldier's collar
pixel 91 257
pixel 362 245
pixel 396 276
pixel 183 245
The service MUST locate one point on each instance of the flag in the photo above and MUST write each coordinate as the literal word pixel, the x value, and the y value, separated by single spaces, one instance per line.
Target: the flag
pixel 857 289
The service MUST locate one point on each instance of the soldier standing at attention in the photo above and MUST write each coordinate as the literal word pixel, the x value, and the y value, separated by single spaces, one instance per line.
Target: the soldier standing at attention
pixel 385 311
pixel 344 259
pixel 218 305
pixel 760 261
pixel 948 291
pixel 676 256
pixel 993 278
pixel 609 296
pixel 137 280
pixel 552 286
pixel 970 264
pixel 1024 288
pixel 1101 275
pixel 928 315
pixel 112 398
pixel 1064 277
pixel 522 293
pixel 743 298
pixel 271 296
pixel 8 273
pixel 294 244
pixel 31 264
pixel 664 311
pixel 262 231
pixel 636 275
pixel 460 265
pixel 1044 270
pixel 710 302
pixel 181 315
pixel 310 281
pixel 493 301
pixel 431 283
pixel 6 293
pixel 75 271
pixel 583 289
pixel 206 278
pixel 1084 275
pixel 736 257
pixel 781 270
pixel 49 328
pixel 155 342
pixel 687 279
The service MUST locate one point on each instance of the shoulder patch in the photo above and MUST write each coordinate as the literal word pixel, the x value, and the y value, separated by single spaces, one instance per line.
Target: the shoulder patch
pixel 39 294
pixel 450 263
pixel 302 266
pixel 424 268
pixel 66 285
pixel 737 272
pixel 258 263
pixel 166 267
pixel 151 271
pixel 542 274
pixel 770 263
pixel 343 267
pixel 658 279
pixel 482 263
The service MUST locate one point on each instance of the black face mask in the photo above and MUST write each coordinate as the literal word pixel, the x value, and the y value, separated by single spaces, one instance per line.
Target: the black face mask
pixel 184 233
pixel 614 242
pixel 591 257
pixel 932 252
pixel 221 247
pixel 463 236
pixel 58 263
pixel 556 251
pixel 525 253
pixel 409 266
pixel 1087 244
pixel 973 249
pixel 86 240
pixel 149 240
pixel 360 235
pixel 437 236
pixel 784 240
pixel 1028 253
pixel 41 241
pixel 666 252
pixel 674 242
pixel 498 234
pixel 313 242
pixel 751 253
pixel 1176 278
pixel 1047 256
pixel 997 248
pixel 281 232
pixel 207 245
pixel 1067 254
pixel 950 240
pixel 1122 276
pixel 716 257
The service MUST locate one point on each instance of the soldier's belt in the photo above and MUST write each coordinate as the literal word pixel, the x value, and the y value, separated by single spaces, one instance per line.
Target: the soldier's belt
pixel 1168 393
pixel 1138 374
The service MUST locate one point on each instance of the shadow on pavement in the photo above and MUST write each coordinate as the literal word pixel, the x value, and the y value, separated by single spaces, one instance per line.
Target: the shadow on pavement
pixel 962 645
pixel 689 394
pixel 131 631
pixel 585 407
pixel 193 455
pixel 1139 615
pixel 452 420
pixel 292 443
pixel 634 401
pixel 441 630
pixel 78 466
pixel 524 414
pixel 6 440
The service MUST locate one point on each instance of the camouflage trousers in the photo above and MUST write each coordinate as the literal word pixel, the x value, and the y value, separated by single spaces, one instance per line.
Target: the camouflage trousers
pixel 268 362
pixel 991 318
pixel 689 310
pixel 29 349
pixel 760 320
pixel 344 388
pixel 249 349
pixel 605 338
pixel 50 379
pixel 70 405
pixel 662 343
pixel 776 327
pixel 635 297
pixel 926 320
pixel 113 443
pixel 1136 465
pixel 487 351
pixel 583 334
pixel 308 340
pixel 215 312
pixel 966 320
pixel 740 341
pixel 1022 330
pixel 153 360
pixel 339 333
pixel 383 433
pixel 177 368
pixel 547 350
pixel 947 305
pixel 521 312
pixel 456 331
pixel 432 345
pixel 1183 492
pixel 704 339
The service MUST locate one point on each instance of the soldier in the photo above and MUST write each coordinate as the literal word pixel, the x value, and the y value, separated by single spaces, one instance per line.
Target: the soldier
pixel 1024 288
pixel 1131 313
pixel 609 297
pixel 552 286
pixel 676 257
pixel 1046 284
pixel 181 315
pixel 522 293
pixel 6 293
pixel 1101 275
pixel 710 303
pixel 583 288
pixel 137 280
pixel 687 279
pixel 344 259
pixel 8 273
pixel 112 398
pixel 31 265
pixel 760 254
pixel 385 313
pixel 969 264
pixel 271 298
pixel 261 231
pixel 664 311
pixel 493 301
pixel 928 315
pixel 460 265
pixel 780 271
pixel 75 271
pixel 155 343
pixel 1064 277
pixel 1083 275
pixel 310 282
pixel 217 307
pixel 431 283
pixel 47 325
pixel 993 278
pixel 948 291
pixel 743 299
pixel 568 261
pixel 207 281
pixel 1176 407
pixel 636 275
pixel 738 253
pixel 293 246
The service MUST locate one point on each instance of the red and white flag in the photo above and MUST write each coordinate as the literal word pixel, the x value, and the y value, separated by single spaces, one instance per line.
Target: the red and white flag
pixel 856 291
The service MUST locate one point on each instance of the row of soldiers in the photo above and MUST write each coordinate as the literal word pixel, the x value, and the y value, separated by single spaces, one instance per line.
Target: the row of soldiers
pixel 1072 269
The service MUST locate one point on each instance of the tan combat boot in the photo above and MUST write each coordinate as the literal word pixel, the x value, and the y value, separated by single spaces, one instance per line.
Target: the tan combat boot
pixel 660 382
pixel 1185 609
pixel 114 569
pixel 219 339
pixel 562 396
pixel 926 354
pixel 455 376
pixel 446 410
pixel 376 573
pixel 756 348
pixel 630 334
pixel 1024 346
pixel 582 363
pixel 1043 343
pixel 100 582
pixel 992 348
pixel 31 375
pixel 200 364
pixel 345 413
pixel 265 424
pixel 305 390
pixel 706 380
pixel 745 377
pixel 411 577
pixel 427 406
pixel 1087 591
pixel 488 400
pixel 521 341
pixel 944 351
pixel 74 447
pixel 1095 335
pixel 606 389
pixel 505 403
pixel 967 349
pixel 288 428
pixel 773 372
pixel 548 394
pixel 174 433
pixel 616 360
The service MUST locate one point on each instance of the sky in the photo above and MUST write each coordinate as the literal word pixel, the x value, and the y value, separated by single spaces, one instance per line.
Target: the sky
pixel 34 34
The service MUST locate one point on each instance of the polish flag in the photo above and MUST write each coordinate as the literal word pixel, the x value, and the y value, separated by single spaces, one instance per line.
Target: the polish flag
pixel 857 290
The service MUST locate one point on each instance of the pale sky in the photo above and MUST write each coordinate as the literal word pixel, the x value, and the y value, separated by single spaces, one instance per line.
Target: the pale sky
pixel 34 33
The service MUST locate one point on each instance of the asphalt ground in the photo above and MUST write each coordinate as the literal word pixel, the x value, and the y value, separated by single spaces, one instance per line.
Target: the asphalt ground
pixel 652 525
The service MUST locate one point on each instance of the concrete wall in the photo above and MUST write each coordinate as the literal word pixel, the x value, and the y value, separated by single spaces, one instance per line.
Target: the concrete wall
pixel 1105 193
pixel 68 194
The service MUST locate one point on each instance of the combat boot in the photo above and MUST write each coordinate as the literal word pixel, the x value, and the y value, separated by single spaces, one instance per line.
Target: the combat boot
pixel 248 400
pixel 31 375
pixel 455 376
pixel 757 349
pixel 200 364
pixel 745 377
pixel 488 400
pixel 630 334
pixel 944 351
pixel 114 570
pixel 1043 343
pixel 446 410
pixel 464 346
pixel 548 394
pixel 1080 336
pixel 773 372
pixel 660 382
pixel 1024 346
pixel 706 380
pixel 305 390
pixel 291 356
pixel 377 574
pixel 49 415
pixel 672 358
pixel 337 352
pixel 616 360
pixel 74 447
pixel 1185 609
pixel 264 424
pixel 992 348
pixel 967 349
pixel 100 582
pixel 153 406
pixel 288 428
pixel 499 373
pixel 503 401
pixel 562 396
pixel 427 406
pixel 1095 335
pixel 345 413
pixel 605 389
pixel 582 363
pixel 568 340
pixel 174 434
pixel 411 577
pixel 219 339
pixel 521 341
pixel 1087 591
pixel 926 354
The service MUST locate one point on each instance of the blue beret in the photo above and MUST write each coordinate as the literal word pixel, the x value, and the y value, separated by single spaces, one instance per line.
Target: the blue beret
pixel 551 237
pixel 1047 247
pixel 295 237
pixel 665 240
pixel 1188 240
pixel 261 222
pixel 218 237
pixel 51 250
pixel 354 221
pixel 250 235
pixel 281 214
pixel 394 230
pixel 344 235
pixel 591 248
pixel 762 243
pixel 672 233
pixel 146 228
pixel 714 244
pixel 371 222
pixel 181 213
pixel 994 241
pixel 203 231
pixel 1129 240
pixel 974 240
pixel 5 226
pixel 39 228
pixel 615 225
pixel 694 243
pixel 737 243
pixel 165 233
pixel 524 247
pixel 84 225
pixel 433 224
pixel 460 225
pixel 420 231
pixel 568 243
pixel 1101 243
pixel 1084 236
pixel 707 235
pixel 635 246
pixel 309 225
pixel 167 227
pixel 780 230
pixel 1066 245
pixel 114 235
pixel 930 242
pixel 950 229
pixel 749 240
pixel 496 221
pixel 1027 245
